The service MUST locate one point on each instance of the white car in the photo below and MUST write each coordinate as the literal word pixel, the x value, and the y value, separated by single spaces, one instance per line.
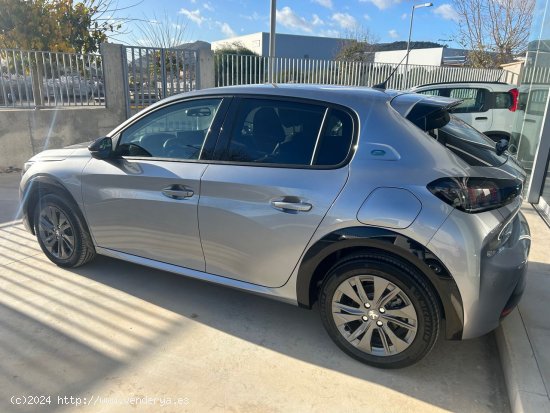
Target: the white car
pixel 486 106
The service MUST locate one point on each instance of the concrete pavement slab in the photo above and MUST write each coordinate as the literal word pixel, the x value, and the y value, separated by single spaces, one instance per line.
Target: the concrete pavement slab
pixel 9 196
pixel 524 337
pixel 111 330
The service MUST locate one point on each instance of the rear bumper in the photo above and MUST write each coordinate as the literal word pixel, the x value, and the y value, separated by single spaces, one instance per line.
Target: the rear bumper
pixel 490 282
pixel 503 280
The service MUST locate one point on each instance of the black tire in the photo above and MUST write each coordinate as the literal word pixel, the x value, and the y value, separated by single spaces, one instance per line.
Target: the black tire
pixel 402 275
pixel 83 249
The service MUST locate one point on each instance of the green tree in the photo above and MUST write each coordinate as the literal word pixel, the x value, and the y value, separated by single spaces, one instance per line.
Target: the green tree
pixel 56 25
pixel 358 46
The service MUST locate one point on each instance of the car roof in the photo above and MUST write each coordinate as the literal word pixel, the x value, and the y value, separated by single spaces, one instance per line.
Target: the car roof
pixel 328 93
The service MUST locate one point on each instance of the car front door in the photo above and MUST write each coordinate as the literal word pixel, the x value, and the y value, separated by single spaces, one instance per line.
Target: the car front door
pixel 144 202
pixel 282 163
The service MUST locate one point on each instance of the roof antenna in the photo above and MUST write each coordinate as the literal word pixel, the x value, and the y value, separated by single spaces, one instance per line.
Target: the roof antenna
pixel 383 84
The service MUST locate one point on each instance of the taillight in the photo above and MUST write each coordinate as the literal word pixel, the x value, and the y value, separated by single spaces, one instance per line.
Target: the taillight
pixel 514 93
pixel 472 194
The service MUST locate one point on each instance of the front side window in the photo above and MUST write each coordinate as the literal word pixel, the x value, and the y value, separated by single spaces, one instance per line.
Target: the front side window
pixel 289 133
pixel 176 132
pixel 473 100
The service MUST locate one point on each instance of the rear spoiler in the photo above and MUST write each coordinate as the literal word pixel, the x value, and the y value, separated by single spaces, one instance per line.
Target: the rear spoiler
pixel 426 112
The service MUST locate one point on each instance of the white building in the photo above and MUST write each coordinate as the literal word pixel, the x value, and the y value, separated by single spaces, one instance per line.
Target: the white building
pixel 435 56
pixel 287 45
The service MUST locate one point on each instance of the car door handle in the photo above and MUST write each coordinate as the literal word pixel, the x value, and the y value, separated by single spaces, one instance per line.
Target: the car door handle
pixel 177 192
pixel 481 118
pixel 292 206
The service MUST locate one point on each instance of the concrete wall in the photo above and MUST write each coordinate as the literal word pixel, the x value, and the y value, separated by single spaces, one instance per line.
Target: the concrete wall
pixel 25 132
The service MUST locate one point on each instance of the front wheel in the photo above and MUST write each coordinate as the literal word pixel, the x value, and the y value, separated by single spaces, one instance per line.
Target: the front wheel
pixel 380 311
pixel 61 232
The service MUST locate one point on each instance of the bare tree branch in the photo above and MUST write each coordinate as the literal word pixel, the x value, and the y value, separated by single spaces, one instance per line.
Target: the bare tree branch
pixel 494 30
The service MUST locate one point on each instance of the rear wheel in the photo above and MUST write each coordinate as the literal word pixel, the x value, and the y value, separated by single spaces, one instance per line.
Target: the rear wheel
pixel 61 233
pixel 380 311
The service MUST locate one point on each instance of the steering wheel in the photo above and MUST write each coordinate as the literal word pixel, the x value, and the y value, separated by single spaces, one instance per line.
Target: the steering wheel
pixel 174 148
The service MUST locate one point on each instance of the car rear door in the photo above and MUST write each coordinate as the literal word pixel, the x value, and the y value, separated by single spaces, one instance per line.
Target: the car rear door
pixel 144 203
pixel 282 163
pixel 474 108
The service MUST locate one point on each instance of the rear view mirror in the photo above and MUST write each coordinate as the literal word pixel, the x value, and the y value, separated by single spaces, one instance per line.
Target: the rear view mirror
pixel 198 112
pixel 101 148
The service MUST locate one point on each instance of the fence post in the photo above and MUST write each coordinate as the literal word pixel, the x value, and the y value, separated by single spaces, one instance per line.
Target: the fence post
pixel 37 79
pixel 205 69
pixel 115 79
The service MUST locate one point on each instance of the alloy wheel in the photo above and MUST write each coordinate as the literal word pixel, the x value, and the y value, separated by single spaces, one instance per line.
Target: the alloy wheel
pixel 374 315
pixel 56 232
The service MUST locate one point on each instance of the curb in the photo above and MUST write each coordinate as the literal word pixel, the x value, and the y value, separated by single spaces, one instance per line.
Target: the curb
pixel 526 389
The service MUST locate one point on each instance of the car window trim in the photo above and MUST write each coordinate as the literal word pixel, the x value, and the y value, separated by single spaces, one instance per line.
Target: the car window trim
pixel 225 135
pixel 211 136
pixel 320 135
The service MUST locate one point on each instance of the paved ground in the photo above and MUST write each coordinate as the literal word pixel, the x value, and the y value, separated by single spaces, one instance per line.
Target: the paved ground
pixel 524 337
pixel 9 195
pixel 113 330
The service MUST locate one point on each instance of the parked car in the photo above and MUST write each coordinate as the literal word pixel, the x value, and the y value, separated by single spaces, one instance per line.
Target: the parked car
pixel 366 202
pixel 485 105
pixel 70 86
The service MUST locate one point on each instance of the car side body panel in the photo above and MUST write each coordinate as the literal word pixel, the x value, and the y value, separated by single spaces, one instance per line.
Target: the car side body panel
pixel 127 210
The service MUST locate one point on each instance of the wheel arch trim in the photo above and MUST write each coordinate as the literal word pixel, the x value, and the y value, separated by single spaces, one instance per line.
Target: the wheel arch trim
pixel 30 196
pixel 405 248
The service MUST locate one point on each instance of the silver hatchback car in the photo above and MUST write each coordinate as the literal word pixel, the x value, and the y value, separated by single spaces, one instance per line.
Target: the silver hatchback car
pixel 399 220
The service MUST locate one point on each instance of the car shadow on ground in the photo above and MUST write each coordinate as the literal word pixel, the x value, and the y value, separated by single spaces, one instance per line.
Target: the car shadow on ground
pixel 299 333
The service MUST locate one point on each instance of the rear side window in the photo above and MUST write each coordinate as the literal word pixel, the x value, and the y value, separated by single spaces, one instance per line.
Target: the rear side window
pixel 473 100
pixel 431 92
pixel 335 142
pixel 268 131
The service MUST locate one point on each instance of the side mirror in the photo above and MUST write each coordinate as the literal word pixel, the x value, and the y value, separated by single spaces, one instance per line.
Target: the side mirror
pixel 501 146
pixel 101 148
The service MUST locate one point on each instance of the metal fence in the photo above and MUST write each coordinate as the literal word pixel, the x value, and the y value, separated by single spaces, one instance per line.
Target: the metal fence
pixel 241 69
pixel 38 78
pixel 535 75
pixel 155 73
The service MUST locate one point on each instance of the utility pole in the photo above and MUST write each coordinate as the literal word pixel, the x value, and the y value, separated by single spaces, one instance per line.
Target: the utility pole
pixel 272 29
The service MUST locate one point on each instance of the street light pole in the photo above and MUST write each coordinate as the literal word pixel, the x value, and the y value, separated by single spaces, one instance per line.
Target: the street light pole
pixel 416 6
pixel 273 18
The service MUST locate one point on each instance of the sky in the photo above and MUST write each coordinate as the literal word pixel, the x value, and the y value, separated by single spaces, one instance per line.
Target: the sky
pixel 387 20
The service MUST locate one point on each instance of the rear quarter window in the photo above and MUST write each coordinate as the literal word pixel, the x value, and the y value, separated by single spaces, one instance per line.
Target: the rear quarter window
pixel 503 100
